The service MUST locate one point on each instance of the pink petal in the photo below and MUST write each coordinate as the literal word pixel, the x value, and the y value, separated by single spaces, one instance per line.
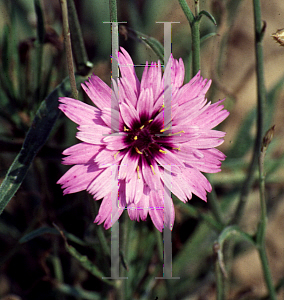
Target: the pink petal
pixel 168 159
pixel 106 158
pixel 212 116
pixel 156 203
pixel 152 79
pixel 98 91
pixel 115 142
pixel 93 134
pixel 103 183
pixel 129 114
pixel 141 208
pixel 134 189
pixel 151 179
pixel 206 143
pixel 78 178
pixel 112 119
pixel 126 92
pixel 176 184
pixel 127 69
pixel 106 214
pixel 77 111
pixel 145 104
pixel 128 165
pixel 197 182
pixel 81 153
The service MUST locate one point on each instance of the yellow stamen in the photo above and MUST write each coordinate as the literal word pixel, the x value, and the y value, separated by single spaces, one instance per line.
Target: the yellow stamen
pixel 138 172
pixel 142 126
pixel 164 129
pixel 135 138
pixel 138 151
pixel 161 108
pixel 116 154
pixel 125 129
pixel 153 169
pixel 177 132
pixel 150 121
pixel 162 151
pixel 176 148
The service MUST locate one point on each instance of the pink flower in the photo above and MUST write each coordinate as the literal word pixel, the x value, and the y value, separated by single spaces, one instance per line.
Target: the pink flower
pixel 144 151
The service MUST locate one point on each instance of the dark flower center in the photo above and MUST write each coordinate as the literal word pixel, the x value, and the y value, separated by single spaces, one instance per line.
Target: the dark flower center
pixel 143 137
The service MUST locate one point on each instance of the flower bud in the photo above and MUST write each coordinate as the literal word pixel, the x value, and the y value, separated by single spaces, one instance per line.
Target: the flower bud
pixel 267 138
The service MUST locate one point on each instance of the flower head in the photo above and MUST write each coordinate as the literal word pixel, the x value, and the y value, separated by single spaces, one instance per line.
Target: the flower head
pixel 134 145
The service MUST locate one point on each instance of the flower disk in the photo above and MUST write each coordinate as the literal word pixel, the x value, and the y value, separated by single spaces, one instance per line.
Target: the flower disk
pixel 135 138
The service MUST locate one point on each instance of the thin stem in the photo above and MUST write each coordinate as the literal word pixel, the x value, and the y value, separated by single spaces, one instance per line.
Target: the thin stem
pixel 195 33
pixel 188 13
pixel 219 281
pixel 261 96
pixel 113 10
pixel 127 229
pixel 260 236
pixel 68 48
pixel 195 29
pixel 196 2
pixel 39 48
pixel 82 62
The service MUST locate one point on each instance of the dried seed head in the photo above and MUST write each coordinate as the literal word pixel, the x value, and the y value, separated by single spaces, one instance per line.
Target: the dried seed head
pixel 279 36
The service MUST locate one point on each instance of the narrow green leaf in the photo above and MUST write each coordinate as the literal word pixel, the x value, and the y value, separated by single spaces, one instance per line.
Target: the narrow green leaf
pixel 35 233
pixel 77 292
pixel 228 232
pixel 208 15
pixel 7 60
pixel 40 21
pixel 233 231
pixel 207 36
pixel 153 43
pixel 43 230
pixel 83 259
pixel 87 264
pixel 37 135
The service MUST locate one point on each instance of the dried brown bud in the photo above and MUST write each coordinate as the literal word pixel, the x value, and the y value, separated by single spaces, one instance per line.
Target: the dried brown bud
pixel 279 36
pixel 267 138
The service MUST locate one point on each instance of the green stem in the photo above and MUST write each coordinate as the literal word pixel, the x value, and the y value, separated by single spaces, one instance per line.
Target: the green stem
pixel 195 33
pixel 188 13
pixel 260 236
pixel 39 48
pixel 113 10
pixel 219 281
pixel 127 228
pixel 83 64
pixel 195 47
pixel 261 96
pixel 196 2
pixel 68 48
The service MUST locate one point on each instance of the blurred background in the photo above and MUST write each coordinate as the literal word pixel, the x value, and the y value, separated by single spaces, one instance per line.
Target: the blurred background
pixel 35 261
